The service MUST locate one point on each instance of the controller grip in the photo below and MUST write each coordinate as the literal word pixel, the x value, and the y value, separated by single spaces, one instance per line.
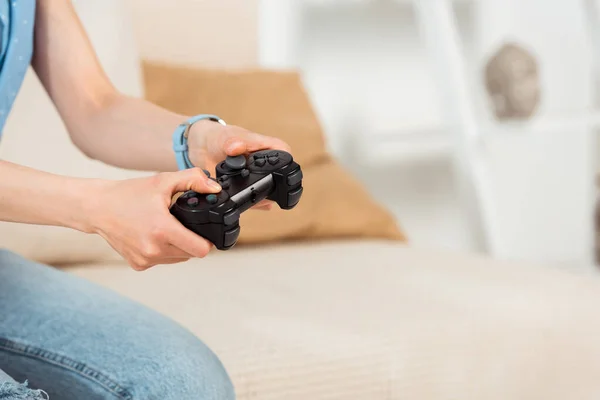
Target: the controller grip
pixel 221 228
pixel 288 187
pixel 222 236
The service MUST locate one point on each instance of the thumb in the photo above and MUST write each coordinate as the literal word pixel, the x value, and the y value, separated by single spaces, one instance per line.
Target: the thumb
pixel 192 179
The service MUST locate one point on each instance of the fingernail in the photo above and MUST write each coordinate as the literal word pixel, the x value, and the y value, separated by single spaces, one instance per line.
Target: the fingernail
pixel 234 145
pixel 214 185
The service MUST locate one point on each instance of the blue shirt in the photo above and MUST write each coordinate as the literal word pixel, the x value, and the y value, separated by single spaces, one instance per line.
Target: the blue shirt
pixel 16 49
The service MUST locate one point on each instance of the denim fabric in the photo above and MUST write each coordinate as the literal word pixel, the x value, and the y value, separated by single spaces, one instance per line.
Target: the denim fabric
pixel 76 340
pixel 11 390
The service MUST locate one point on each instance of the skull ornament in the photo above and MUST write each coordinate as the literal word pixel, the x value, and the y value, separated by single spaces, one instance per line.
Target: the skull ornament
pixel 513 83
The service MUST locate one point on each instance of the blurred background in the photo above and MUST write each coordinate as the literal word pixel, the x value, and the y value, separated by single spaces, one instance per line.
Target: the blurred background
pixel 474 121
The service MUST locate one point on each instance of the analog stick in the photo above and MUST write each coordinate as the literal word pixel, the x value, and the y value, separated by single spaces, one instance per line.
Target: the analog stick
pixel 236 163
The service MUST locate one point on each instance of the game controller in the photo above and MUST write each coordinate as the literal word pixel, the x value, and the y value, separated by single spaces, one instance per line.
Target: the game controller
pixel 267 174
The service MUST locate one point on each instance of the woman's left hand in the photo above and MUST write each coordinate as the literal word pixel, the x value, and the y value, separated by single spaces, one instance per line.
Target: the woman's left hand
pixel 210 143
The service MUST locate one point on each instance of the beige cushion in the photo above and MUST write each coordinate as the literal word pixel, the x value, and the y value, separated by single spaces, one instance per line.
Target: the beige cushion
pixel 374 320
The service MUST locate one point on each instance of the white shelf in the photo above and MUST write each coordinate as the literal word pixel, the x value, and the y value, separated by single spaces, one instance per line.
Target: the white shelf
pixel 412 144
pixel 550 123
pixel 400 147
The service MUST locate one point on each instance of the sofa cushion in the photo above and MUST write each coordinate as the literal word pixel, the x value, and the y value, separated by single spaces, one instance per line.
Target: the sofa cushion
pixel 376 320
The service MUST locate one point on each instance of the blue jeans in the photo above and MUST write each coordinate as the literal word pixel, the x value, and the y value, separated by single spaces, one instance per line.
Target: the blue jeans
pixel 74 340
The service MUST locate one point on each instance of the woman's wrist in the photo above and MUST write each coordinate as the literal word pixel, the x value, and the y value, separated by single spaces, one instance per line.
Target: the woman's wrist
pixel 198 138
pixel 82 197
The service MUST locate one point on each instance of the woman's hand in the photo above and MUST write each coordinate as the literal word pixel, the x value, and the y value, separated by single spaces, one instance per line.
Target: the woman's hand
pixel 133 217
pixel 210 143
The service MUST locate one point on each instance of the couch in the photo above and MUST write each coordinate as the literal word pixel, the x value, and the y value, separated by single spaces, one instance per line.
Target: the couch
pixel 323 315
pixel 368 319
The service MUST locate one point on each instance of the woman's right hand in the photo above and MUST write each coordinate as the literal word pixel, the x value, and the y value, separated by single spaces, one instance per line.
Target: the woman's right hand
pixel 133 217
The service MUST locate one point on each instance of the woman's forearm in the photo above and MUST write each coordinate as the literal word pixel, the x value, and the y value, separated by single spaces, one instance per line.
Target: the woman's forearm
pixel 104 124
pixel 129 133
pixel 35 197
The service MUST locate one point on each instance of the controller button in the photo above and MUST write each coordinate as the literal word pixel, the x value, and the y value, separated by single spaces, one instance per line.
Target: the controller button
pixel 231 217
pixel 231 237
pixel 224 178
pixel 188 194
pixel 294 197
pixel 193 201
pixel 260 162
pixel 225 185
pixel 237 162
pixel 295 178
pixel 273 154
pixel 245 173
pixel 212 198
pixel 273 160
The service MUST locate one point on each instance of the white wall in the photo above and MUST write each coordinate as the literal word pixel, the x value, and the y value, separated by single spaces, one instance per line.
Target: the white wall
pixel 213 33
pixel 365 65
pixel 115 45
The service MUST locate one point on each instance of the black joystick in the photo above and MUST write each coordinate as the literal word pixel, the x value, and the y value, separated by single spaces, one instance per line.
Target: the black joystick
pixel 235 163
pixel 267 174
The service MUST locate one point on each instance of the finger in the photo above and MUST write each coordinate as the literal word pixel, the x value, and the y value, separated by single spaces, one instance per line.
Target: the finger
pixel 140 264
pixel 234 141
pixel 143 265
pixel 187 241
pixel 263 205
pixel 252 142
pixel 169 261
pixel 270 143
pixel 190 179
pixel 175 252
